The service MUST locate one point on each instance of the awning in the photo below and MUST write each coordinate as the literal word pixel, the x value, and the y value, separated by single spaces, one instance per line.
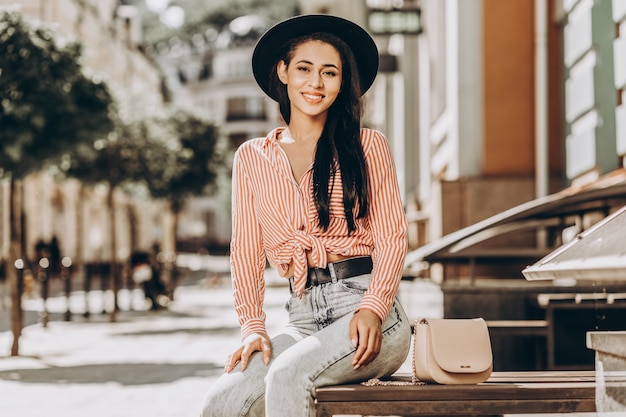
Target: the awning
pixel 599 253
pixel 605 195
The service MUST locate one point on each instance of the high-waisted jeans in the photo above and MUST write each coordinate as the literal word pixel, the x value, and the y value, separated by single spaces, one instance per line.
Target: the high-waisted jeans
pixel 313 351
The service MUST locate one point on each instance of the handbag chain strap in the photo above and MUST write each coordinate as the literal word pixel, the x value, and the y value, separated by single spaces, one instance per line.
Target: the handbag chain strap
pixel 414 381
pixel 375 381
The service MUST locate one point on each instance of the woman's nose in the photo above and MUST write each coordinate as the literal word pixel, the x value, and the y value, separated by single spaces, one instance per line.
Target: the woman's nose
pixel 316 80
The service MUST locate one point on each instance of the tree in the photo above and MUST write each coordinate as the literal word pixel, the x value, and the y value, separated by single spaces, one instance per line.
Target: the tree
pixel 191 159
pixel 114 160
pixel 48 106
pixel 175 155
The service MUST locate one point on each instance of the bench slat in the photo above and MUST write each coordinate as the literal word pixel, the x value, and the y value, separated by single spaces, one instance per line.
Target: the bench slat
pixel 504 393
pixel 486 391
pixel 452 408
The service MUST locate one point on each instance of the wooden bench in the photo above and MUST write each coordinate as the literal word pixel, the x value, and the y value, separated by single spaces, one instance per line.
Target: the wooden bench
pixel 504 393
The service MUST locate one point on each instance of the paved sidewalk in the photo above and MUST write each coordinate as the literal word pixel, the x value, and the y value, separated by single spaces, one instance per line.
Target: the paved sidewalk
pixel 156 364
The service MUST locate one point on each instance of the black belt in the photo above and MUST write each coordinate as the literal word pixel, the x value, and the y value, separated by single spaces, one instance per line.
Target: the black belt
pixel 343 269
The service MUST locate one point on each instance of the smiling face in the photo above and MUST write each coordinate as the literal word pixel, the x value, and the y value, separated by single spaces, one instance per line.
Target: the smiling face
pixel 313 77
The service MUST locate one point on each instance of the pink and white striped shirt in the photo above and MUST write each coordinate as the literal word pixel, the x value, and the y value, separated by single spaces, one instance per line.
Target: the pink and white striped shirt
pixel 275 219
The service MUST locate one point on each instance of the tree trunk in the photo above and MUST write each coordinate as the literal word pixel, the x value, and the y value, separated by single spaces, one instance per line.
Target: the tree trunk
pixel 113 272
pixel 79 255
pixel 173 270
pixel 16 262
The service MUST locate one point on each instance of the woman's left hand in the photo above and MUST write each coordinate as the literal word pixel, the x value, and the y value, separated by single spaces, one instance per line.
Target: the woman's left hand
pixel 366 336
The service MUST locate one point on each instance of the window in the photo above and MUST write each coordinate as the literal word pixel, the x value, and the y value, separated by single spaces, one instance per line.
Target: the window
pixel 245 108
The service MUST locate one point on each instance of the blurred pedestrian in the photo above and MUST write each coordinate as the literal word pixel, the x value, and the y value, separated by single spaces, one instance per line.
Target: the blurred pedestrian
pixel 54 251
pixel 319 200
pixel 146 275
pixel 41 250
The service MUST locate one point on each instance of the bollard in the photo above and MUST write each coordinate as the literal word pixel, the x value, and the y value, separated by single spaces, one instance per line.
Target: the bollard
pixel 17 314
pixel 105 274
pixel 87 288
pixel 19 267
pixel 42 276
pixel 66 276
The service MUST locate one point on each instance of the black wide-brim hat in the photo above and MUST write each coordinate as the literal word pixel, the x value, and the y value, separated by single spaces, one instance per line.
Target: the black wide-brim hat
pixel 265 55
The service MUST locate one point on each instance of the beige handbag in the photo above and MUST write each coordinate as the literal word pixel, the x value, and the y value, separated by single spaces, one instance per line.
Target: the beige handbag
pixel 452 351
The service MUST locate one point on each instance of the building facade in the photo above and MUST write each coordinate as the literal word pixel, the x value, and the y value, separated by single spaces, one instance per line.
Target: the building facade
pixel 502 102
pixel 594 62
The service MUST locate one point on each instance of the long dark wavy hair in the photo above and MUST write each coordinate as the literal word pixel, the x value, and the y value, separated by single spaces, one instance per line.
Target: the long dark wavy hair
pixel 339 147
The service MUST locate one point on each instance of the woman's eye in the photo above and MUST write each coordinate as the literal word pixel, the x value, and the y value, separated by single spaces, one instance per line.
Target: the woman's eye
pixel 303 69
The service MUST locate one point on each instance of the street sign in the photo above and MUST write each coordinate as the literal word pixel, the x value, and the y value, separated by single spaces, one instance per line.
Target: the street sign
pixel 389 22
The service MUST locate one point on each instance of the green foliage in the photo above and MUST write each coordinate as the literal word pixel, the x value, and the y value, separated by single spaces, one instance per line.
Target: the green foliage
pixel 216 14
pixel 114 160
pixel 175 155
pixel 192 159
pixel 48 105
pixel 226 11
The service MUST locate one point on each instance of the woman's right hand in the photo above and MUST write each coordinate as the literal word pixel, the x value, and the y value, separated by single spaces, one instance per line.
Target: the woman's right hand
pixel 255 342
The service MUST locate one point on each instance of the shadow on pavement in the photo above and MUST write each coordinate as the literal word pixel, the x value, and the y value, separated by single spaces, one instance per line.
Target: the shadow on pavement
pixel 213 331
pixel 121 373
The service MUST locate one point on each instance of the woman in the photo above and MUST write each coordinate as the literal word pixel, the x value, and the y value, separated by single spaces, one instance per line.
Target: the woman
pixel 319 200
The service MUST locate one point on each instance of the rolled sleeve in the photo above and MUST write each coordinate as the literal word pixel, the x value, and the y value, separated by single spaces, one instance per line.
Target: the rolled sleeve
pixel 388 226
pixel 246 253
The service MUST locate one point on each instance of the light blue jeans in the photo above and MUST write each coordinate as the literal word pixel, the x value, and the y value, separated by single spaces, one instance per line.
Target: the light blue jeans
pixel 314 351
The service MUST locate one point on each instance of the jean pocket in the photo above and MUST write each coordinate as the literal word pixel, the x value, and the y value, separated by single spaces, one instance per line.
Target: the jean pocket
pixel 355 285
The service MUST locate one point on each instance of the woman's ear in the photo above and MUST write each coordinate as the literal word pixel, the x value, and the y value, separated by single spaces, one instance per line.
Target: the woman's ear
pixel 281 70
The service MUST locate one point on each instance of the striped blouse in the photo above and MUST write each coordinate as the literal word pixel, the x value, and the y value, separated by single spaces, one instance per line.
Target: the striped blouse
pixel 275 220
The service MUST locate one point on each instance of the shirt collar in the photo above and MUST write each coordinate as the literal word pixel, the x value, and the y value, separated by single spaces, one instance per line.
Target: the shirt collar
pixel 272 137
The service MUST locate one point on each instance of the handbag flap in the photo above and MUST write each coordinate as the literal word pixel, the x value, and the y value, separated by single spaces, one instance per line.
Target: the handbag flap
pixel 461 345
